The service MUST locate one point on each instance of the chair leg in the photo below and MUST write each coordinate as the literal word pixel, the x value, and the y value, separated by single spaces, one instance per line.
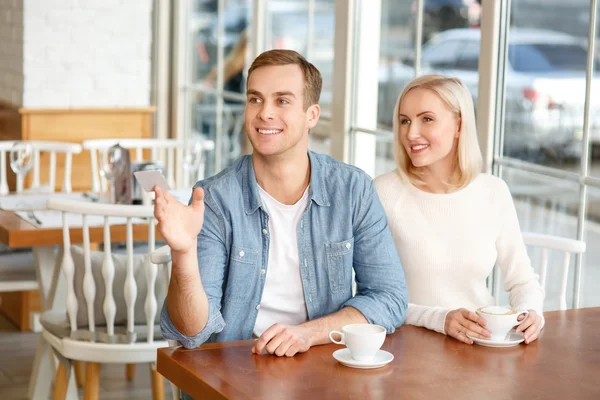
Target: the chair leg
pixel 130 372
pixel 60 383
pixel 79 373
pixel 175 392
pixel 92 381
pixel 158 383
pixel 43 371
pixel 72 391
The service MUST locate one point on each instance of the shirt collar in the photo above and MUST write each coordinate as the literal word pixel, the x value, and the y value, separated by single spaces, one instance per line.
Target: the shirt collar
pixel 252 201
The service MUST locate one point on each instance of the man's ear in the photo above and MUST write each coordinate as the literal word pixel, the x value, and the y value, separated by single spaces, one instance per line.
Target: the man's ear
pixel 313 113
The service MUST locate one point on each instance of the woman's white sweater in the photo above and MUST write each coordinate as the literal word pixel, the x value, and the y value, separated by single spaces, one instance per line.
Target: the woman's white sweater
pixel 449 243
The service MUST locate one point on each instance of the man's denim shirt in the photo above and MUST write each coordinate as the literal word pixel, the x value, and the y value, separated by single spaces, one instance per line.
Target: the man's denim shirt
pixel 343 227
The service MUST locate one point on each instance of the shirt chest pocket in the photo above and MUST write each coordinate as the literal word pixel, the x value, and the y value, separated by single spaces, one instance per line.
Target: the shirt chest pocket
pixel 242 270
pixel 339 264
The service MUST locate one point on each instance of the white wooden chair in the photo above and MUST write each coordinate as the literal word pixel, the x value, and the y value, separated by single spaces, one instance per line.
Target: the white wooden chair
pixel 17 272
pixel 95 344
pixel 547 244
pixel 162 257
pixel 178 178
pixel 555 243
pixel 39 147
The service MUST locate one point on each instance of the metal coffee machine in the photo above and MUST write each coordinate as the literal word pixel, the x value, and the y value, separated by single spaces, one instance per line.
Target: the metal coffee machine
pixel 118 170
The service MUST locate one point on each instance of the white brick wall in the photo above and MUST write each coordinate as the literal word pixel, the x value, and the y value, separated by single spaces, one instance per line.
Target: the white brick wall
pixel 87 53
pixel 11 51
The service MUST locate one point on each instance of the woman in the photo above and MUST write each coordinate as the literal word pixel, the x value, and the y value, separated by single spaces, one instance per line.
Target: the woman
pixel 451 224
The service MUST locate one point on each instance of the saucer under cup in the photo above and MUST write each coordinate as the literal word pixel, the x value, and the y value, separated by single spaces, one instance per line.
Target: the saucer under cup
pixel 381 359
pixel 362 340
pixel 512 339
pixel 500 320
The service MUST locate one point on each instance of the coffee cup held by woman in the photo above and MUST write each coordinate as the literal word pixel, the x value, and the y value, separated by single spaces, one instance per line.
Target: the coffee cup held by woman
pixel 450 222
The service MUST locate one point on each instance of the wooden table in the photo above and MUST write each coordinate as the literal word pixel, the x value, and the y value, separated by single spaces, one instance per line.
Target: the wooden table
pixel 16 232
pixel 563 364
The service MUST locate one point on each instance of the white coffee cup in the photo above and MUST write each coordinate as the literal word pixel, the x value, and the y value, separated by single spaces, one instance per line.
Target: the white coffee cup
pixel 500 320
pixel 363 340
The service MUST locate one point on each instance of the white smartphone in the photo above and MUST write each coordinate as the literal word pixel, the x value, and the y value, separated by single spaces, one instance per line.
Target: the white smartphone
pixel 149 179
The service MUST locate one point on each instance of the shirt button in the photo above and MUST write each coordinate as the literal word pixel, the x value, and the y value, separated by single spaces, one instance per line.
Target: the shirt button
pixel 264 232
pixel 242 253
pixel 310 298
pixel 348 245
pixel 263 271
pixel 258 306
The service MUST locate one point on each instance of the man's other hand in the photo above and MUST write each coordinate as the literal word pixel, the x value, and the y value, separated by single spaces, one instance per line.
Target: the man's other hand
pixel 283 340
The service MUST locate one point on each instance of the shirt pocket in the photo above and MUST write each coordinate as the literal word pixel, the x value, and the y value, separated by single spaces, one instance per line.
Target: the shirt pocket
pixel 339 263
pixel 242 268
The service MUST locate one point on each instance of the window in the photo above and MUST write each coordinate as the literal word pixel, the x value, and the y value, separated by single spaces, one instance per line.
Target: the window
pixel 214 108
pixel 213 84
pixel 307 27
pixel 540 148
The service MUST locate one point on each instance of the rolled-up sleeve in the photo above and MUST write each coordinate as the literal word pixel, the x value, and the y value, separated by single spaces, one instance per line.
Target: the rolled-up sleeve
pixel 212 261
pixel 214 324
pixel 381 294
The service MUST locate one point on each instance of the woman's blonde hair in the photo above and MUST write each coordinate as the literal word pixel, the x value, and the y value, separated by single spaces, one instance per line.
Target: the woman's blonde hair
pixel 458 99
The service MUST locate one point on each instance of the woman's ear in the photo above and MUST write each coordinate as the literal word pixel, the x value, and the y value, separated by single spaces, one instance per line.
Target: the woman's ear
pixel 458 127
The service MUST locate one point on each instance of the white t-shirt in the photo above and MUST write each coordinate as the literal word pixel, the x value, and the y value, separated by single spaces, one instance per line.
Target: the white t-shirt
pixel 283 295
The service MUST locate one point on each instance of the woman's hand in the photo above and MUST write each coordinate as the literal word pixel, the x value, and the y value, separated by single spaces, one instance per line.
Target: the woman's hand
pixel 462 322
pixel 531 327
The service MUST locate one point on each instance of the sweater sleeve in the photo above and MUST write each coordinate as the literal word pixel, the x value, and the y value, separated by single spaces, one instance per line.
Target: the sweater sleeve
pixel 432 318
pixel 520 281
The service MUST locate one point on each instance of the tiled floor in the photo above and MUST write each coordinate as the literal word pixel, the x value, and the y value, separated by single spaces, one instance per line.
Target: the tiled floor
pixel 17 351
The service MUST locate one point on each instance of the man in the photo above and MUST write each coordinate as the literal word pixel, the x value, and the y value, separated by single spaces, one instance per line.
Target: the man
pixel 266 248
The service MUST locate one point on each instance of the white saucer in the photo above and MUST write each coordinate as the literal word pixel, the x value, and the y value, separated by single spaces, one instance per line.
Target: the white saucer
pixel 512 339
pixel 382 357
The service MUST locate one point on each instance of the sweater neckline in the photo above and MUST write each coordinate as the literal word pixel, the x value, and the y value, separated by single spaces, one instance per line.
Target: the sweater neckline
pixel 430 195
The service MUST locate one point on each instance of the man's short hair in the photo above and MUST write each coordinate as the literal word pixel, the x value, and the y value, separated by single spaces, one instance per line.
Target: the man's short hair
pixel 313 82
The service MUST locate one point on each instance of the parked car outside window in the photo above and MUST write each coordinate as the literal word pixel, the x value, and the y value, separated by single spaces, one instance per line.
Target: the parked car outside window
pixel 545 87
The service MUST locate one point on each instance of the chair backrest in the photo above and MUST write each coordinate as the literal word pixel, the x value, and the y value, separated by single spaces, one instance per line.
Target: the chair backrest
pixel 53 148
pixel 164 150
pixel 131 214
pixel 555 243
